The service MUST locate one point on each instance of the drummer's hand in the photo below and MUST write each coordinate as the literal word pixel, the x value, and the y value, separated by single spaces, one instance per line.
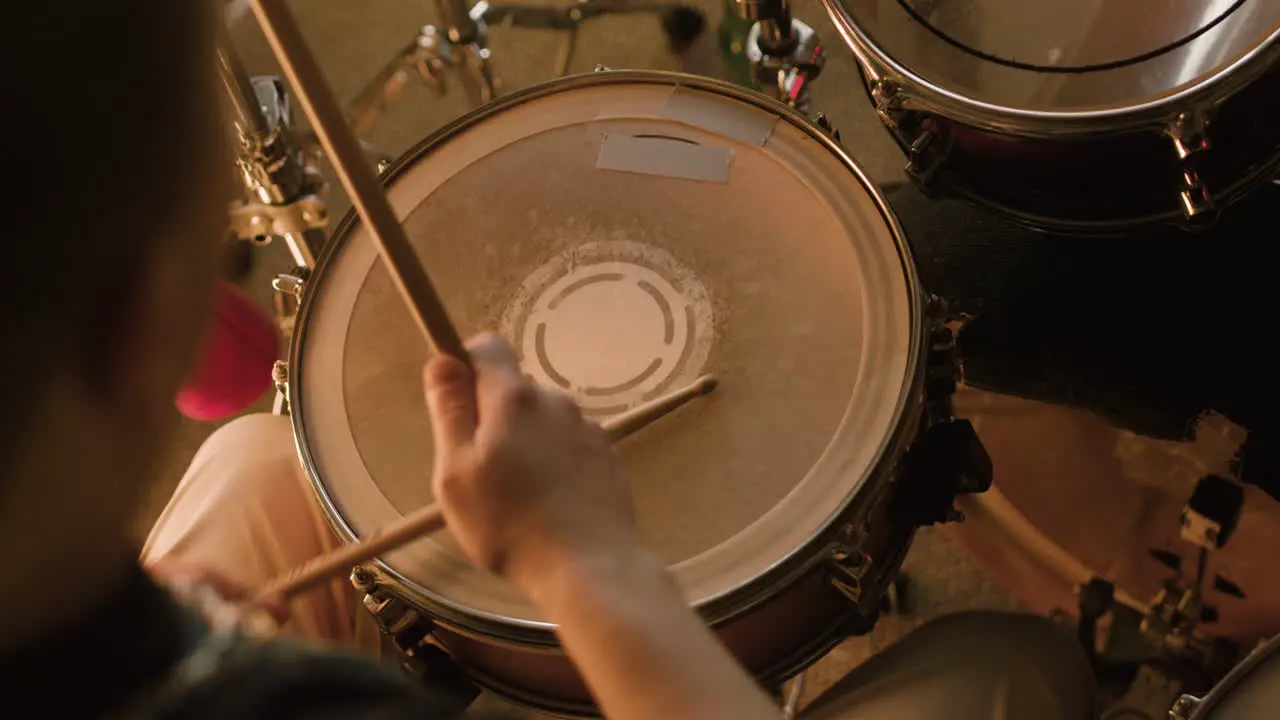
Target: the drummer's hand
pixel 528 486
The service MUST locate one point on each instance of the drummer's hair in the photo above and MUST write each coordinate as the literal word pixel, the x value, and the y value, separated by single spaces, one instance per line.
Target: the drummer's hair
pixel 98 106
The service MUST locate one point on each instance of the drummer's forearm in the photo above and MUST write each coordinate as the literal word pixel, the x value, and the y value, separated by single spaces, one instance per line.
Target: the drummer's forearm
pixel 641 650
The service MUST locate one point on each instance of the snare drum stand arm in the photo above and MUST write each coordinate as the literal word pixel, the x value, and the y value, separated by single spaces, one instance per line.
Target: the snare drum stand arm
pixel 785 54
pixel 283 194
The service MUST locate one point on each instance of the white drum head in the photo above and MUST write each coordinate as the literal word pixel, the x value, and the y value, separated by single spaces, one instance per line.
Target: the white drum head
pixel 628 233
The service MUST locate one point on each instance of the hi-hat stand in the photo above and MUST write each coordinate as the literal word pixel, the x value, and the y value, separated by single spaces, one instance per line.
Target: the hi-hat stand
pixel 460 46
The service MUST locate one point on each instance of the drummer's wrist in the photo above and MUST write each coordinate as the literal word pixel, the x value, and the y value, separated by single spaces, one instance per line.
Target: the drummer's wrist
pixel 630 571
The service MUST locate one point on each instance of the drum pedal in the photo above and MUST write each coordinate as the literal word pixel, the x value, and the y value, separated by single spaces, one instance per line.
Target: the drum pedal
pixel 1211 514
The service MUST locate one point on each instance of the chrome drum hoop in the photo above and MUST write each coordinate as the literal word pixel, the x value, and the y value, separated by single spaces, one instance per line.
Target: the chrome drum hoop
pixel 734 601
pixel 1183 153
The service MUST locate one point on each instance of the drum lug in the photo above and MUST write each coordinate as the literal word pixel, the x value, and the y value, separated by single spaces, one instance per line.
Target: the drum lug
pixel 886 96
pixel 280 378
pixel 1190 135
pixel 825 123
pixel 849 564
pixel 1189 132
pixel 1184 708
pixel 411 631
pixel 288 298
pixel 1197 203
pixel 924 157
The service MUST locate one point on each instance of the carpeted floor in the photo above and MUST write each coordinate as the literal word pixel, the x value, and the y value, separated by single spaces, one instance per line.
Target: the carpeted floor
pixel 352 40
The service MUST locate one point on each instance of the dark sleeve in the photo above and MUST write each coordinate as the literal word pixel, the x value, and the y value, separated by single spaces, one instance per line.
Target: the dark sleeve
pixel 311 686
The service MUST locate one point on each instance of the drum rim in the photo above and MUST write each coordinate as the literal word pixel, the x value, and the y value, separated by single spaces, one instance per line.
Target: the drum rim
pixel 1209 89
pixel 733 601
pixel 1266 651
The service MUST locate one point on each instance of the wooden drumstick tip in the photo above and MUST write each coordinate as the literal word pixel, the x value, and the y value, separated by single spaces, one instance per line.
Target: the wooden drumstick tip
pixel 705 385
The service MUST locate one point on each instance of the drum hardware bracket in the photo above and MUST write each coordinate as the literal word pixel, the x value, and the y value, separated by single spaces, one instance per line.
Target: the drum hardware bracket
pixel 1184 707
pixel 258 222
pixel 282 189
pixel 786 75
pixel 1211 514
pixel 785 55
pixel 411 632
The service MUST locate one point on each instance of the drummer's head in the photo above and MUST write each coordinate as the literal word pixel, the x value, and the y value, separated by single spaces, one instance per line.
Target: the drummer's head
pixel 117 191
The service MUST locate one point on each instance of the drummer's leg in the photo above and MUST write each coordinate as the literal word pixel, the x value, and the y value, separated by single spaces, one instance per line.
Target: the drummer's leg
pixel 244 510
pixel 969 666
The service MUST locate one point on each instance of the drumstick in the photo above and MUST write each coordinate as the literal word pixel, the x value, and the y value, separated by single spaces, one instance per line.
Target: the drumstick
pixel 430 518
pixel 344 152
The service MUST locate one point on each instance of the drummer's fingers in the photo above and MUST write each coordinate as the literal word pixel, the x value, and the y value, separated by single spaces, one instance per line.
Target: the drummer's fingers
pixel 451 400
pixel 500 386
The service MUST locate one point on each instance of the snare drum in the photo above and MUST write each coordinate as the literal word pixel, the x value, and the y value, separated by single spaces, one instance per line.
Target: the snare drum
pixel 1079 116
pixel 628 232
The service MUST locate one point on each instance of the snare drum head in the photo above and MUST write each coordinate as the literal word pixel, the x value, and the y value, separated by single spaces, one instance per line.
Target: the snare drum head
pixel 627 233
pixel 1051 56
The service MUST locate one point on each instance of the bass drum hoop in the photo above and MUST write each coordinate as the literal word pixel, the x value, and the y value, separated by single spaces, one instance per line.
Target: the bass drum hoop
pixel 731 602
pixel 1268 651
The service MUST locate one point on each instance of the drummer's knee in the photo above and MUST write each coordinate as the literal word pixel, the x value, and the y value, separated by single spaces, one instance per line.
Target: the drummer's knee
pixel 251 455
pixel 1022 647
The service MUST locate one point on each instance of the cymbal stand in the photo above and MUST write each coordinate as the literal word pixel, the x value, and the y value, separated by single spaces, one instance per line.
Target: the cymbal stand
pixel 460 46
pixel 786 55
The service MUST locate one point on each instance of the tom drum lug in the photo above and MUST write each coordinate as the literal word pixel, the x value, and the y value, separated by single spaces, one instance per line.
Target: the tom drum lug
pixel 1189 132
pixel 1184 707
pixel 603 68
pixel 1197 203
pixel 886 96
pixel 925 154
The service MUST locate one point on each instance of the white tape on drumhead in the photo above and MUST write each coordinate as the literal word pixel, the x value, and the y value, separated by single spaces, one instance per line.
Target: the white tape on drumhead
pixel 720 115
pixel 665 157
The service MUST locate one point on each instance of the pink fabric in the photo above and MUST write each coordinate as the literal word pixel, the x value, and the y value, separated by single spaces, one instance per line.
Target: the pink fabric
pixel 234 368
